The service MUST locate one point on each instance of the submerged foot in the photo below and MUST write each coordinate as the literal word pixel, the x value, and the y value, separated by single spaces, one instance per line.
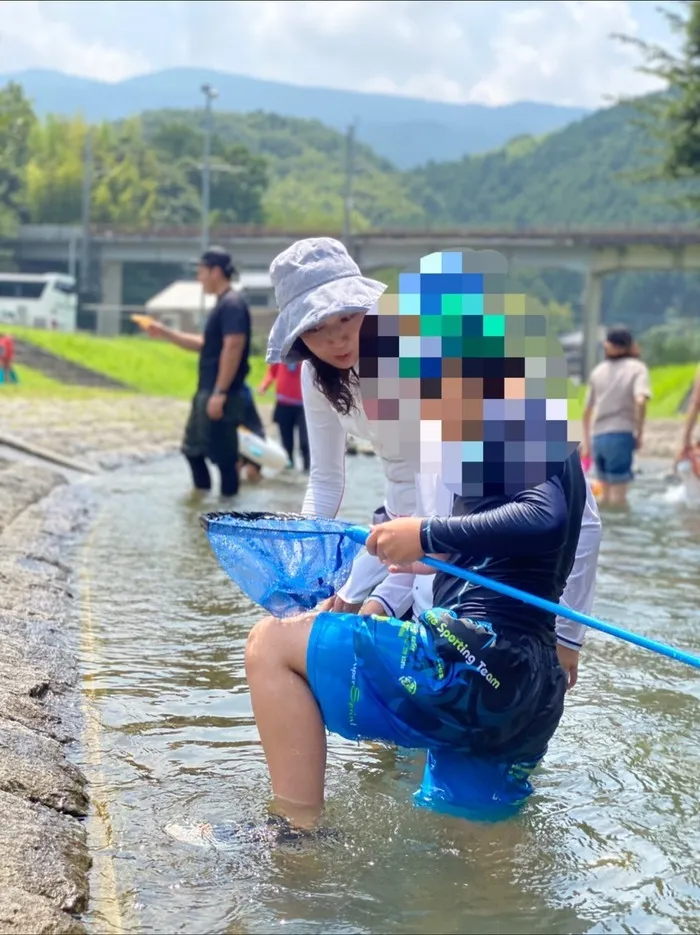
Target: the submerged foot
pixel 276 831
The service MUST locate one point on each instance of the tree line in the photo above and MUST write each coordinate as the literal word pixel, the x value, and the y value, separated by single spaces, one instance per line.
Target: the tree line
pixel 266 169
pixel 135 180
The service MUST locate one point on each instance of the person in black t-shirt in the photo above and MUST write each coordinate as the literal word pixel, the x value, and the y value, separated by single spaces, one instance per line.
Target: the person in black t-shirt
pixel 218 407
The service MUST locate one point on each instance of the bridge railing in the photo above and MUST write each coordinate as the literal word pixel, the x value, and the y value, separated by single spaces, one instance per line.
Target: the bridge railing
pixel 473 230
pixel 620 231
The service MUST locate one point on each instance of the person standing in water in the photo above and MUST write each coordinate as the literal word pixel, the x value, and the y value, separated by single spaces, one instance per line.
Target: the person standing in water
pixel 374 675
pixel 218 407
pixel 685 450
pixel 289 408
pixel 614 414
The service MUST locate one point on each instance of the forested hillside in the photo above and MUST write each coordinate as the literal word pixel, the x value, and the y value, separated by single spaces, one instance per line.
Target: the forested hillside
pixel 583 174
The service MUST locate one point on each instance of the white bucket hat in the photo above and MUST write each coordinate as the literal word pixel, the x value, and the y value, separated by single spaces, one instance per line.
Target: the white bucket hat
pixel 314 279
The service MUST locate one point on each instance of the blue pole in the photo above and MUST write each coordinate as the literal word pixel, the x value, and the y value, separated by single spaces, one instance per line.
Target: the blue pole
pixel 360 534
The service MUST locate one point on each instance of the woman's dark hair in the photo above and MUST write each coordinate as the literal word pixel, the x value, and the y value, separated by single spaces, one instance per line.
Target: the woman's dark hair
pixel 337 386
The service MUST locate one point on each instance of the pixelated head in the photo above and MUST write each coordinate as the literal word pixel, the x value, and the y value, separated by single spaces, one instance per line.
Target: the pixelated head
pixel 464 380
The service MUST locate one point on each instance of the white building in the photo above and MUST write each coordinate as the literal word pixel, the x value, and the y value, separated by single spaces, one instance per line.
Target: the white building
pixel 183 305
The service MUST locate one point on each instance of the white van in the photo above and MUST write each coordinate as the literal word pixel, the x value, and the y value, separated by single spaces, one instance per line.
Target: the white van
pixel 39 300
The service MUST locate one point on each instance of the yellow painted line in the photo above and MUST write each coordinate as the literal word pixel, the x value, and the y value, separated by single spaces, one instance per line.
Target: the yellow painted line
pixel 104 895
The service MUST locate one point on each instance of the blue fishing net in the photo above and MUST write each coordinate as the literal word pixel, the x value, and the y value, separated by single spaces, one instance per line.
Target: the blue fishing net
pixel 284 562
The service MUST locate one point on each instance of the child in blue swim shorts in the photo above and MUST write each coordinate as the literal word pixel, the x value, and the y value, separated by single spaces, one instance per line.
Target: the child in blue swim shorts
pixel 483 704
pixel 475 681
pixel 450 380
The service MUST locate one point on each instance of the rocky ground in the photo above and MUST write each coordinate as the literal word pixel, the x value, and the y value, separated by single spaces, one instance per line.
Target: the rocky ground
pixel 44 859
pixel 101 431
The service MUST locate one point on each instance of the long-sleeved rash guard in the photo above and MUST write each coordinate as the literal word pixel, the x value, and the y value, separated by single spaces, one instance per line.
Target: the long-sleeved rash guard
pixel 527 541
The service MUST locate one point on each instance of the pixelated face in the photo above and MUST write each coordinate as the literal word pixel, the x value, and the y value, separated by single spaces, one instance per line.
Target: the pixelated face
pixel 336 340
pixel 465 381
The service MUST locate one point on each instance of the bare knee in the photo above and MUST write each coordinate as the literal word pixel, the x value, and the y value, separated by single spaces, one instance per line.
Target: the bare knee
pixel 275 644
pixel 260 646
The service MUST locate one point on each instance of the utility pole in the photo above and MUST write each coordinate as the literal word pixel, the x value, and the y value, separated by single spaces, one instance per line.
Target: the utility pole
pixel 209 95
pixel 349 178
pixel 86 212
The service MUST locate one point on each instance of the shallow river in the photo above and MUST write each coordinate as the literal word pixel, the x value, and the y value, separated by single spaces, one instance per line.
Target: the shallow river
pixel 609 842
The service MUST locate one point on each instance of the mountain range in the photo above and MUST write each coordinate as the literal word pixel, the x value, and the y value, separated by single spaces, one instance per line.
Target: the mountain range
pixel 407 131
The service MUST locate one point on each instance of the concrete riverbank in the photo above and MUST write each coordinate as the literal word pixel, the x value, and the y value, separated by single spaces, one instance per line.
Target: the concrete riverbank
pixel 107 429
pixel 43 851
pixel 44 859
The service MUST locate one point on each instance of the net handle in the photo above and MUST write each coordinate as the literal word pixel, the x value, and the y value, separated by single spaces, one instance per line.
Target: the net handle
pixel 360 534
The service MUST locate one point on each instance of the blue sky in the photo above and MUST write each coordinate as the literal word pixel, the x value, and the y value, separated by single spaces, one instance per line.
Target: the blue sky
pixel 489 51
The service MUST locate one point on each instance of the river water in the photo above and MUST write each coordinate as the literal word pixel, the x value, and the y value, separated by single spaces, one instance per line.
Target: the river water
pixel 608 843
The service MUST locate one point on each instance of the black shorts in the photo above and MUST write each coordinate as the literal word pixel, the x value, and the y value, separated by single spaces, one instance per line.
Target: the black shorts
pixel 217 439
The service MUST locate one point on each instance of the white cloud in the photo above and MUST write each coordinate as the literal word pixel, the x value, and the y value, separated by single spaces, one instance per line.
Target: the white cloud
pixel 31 38
pixel 562 52
pixel 491 51
pixel 395 46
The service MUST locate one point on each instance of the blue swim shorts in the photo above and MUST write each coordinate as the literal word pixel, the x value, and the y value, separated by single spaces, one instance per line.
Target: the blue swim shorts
pixel 483 703
pixel 613 454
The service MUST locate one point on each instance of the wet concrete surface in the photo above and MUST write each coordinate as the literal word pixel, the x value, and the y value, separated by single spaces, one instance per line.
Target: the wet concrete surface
pixel 43 797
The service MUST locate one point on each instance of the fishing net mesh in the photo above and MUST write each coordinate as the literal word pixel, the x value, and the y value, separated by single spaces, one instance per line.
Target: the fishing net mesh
pixel 284 562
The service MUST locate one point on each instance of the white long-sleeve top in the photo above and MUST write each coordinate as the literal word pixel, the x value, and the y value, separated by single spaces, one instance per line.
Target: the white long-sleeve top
pixel 411 494
pixel 327 431
pixel 579 592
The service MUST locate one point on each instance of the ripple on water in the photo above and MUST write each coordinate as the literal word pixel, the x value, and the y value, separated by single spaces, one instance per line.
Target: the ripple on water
pixel 607 844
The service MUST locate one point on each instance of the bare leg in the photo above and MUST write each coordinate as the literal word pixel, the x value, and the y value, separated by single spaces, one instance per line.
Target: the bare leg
pixel 618 495
pixel 287 716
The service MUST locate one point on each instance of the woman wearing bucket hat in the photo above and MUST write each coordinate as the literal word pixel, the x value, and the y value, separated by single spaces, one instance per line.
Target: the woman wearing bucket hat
pixel 323 297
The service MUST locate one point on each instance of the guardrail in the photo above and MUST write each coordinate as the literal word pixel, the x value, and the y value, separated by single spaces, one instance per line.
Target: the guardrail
pixel 228 232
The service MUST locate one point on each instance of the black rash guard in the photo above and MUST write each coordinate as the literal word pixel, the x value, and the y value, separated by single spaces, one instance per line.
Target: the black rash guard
pixel 527 541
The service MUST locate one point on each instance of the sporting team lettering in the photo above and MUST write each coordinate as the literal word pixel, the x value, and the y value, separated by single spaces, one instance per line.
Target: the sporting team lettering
pixel 468 656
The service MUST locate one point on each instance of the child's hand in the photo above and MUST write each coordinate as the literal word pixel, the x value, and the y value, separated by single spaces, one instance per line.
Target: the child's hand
pixel 342 607
pixel 263 388
pixel 568 660
pixel 396 542
pixel 372 608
